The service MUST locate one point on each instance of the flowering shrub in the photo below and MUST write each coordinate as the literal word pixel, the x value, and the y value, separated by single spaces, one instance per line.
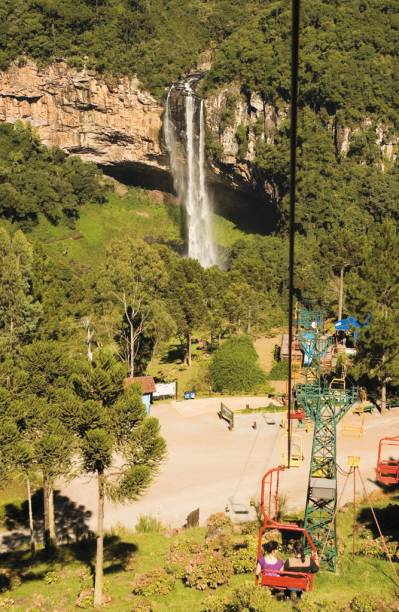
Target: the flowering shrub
pixel 219 528
pixel 154 582
pixel 179 555
pixel 208 570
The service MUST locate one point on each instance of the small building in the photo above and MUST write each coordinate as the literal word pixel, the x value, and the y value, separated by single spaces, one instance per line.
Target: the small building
pixel 297 356
pixel 148 388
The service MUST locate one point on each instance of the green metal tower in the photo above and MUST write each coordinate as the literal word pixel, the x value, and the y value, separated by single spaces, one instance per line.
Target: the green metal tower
pixel 325 406
pixel 321 498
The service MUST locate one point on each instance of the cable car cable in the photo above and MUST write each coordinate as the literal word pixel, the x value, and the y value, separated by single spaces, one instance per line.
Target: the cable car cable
pixel 293 158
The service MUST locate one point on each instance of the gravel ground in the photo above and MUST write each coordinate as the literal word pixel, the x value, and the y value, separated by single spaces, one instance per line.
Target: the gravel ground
pixel 207 464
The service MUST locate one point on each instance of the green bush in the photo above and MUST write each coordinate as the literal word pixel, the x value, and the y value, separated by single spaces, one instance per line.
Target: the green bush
pixel 208 570
pixel 364 603
pixel 243 555
pixel 234 367
pixel 178 557
pixel 247 597
pixel 149 524
pixel 154 582
pixel 218 532
pixel 279 371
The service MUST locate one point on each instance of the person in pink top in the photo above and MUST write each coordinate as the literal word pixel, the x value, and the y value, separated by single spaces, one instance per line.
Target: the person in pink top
pixel 268 564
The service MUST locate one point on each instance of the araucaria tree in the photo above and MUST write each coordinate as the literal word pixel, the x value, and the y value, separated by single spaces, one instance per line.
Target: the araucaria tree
pixel 120 445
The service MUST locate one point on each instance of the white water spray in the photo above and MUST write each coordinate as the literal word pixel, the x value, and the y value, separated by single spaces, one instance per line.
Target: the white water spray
pixel 189 174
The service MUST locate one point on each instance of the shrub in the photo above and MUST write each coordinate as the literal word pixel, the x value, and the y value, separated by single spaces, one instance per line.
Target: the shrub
pixel 149 524
pixel 243 555
pixel 364 603
pixel 143 605
pixel 208 570
pixel 234 367
pixel 218 532
pixel 246 597
pixel 218 523
pixel 51 578
pixel 179 555
pixel 154 582
pixel 279 371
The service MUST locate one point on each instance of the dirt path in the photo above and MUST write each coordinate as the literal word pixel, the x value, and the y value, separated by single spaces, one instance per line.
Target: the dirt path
pixel 207 464
pixel 265 348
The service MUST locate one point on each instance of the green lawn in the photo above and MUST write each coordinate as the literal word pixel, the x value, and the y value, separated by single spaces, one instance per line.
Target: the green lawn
pixel 134 214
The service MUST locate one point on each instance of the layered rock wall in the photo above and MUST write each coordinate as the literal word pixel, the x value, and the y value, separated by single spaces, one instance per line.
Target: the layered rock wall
pixel 102 121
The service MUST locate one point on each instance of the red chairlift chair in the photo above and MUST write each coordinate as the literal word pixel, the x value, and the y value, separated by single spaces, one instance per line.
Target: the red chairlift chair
pixel 298 413
pixel 284 580
pixel 387 472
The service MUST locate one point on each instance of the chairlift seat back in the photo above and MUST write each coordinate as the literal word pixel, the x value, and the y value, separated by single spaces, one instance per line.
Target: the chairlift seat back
pixel 289 580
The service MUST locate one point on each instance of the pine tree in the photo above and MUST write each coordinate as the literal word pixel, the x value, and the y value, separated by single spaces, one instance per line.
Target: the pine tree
pixel 117 428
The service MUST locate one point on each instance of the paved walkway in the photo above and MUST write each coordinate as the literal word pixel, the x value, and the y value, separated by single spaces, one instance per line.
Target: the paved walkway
pixel 207 464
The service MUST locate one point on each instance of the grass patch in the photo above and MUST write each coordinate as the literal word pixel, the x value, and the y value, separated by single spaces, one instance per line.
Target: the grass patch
pixel 262 409
pixel 134 214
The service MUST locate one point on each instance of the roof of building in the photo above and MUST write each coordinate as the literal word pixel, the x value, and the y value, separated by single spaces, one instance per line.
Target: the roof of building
pixel 146 383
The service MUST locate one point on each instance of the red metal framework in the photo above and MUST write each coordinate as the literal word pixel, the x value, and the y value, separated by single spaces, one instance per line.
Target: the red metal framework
pixel 387 472
pixel 269 511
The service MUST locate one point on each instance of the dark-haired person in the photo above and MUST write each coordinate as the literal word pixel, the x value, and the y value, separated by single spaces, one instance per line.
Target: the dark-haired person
pixel 299 562
pixel 268 564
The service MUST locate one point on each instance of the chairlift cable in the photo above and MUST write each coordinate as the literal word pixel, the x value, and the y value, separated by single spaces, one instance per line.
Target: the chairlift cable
pixel 378 526
pixel 293 159
pixel 335 514
pixel 243 472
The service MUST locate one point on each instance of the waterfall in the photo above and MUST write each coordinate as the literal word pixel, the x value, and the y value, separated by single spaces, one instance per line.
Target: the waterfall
pixel 188 164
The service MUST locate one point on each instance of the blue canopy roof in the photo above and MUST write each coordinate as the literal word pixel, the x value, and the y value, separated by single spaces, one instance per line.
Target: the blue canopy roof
pixel 347 324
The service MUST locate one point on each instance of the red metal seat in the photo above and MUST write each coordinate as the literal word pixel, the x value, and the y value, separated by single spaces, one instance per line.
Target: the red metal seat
pixel 289 580
pixel 387 471
pixel 299 414
pixel 284 580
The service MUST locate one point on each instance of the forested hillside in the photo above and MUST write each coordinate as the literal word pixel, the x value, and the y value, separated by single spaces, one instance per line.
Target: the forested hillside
pixel 347 48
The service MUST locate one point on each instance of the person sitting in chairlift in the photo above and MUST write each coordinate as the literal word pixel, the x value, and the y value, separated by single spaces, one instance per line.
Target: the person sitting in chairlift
pixel 268 563
pixel 299 562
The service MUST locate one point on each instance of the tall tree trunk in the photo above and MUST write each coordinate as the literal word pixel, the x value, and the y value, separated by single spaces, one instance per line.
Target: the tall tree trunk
pixel 99 577
pixel 31 530
pixel 189 350
pixel 50 540
pixel 341 292
pixel 383 396
pixel 131 350
pixel 89 345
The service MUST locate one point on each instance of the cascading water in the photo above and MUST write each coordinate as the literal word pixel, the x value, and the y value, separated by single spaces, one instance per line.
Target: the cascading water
pixel 188 164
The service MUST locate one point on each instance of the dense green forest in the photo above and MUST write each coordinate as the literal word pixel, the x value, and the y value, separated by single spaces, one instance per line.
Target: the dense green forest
pixel 348 48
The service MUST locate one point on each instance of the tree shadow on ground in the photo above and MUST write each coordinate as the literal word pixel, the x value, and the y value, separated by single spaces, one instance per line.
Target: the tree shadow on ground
pixel 71 521
pixel 74 537
pixel 175 353
pixel 20 566
pixel 387 518
pixel 117 554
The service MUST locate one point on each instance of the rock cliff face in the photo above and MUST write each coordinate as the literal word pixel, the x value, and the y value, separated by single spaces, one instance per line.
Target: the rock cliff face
pixel 237 123
pixel 118 125
pixel 106 122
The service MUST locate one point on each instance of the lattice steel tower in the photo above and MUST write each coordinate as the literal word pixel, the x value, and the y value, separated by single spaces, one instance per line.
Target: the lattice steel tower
pixel 325 405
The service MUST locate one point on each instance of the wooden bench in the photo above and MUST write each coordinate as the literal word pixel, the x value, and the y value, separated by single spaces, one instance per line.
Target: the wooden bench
pixel 226 414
